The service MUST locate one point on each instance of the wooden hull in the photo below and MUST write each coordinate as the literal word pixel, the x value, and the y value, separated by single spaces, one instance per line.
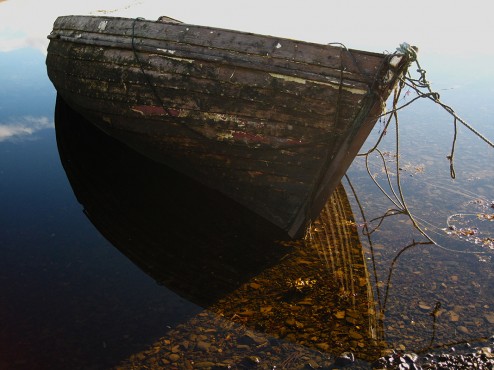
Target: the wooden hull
pixel 272 123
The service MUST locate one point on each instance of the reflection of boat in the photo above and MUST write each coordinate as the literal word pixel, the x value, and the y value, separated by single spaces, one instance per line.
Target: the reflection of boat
pixel 176 230
pixel 314 292
pixel 270 122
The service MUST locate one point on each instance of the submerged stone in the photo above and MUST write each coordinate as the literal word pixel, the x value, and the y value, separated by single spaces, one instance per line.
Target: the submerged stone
pixel 345 359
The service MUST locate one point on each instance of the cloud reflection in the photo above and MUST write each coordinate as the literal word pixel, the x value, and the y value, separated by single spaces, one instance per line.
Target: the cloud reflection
pixel 24 128
pixel 461 29
pixel 26 23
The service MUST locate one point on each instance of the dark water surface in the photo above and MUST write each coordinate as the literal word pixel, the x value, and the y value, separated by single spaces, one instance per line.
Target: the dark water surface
pixel 108 259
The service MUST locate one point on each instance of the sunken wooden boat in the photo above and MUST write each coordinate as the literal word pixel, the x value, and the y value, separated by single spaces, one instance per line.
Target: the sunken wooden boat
pixel 272 123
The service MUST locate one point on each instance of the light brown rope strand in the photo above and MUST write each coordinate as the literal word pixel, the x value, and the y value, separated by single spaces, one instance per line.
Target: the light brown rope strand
pixel 397 93
pixel 451 157
pixel 395 201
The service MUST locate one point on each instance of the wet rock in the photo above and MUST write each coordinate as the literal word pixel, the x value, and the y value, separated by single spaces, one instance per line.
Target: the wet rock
pixel 444 358
pixel 380 363
pixel 453 316
pixel 174 357
pixel 340 315
pixel 355 335
pixel 251 338
pixel 463 357
pixel 250 362
pixel 311 364
pixel 424 306
pixel 410 357
pixel 403 366
pixel 345 359
pixel 487 352
pixel 323 346
pixel 203 346
pixel 188 365
pixel 204 365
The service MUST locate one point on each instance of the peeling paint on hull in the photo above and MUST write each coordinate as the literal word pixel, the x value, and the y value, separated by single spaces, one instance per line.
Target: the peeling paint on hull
pixel 334 85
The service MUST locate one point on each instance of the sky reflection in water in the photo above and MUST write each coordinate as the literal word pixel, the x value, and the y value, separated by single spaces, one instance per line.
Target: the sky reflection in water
pixel 71 299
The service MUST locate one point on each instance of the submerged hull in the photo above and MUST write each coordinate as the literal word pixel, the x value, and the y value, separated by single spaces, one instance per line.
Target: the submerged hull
pixel 272 123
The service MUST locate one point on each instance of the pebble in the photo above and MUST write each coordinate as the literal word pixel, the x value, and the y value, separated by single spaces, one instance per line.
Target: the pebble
pixel 174 357
pixel 323 346
pixel 311 364
pixel 340 315
pixel 250 362
pixel 204 365
pixel 411 357
pixel 203 346
pixel 489 317
pixel 453 316
pixel 424 306
pixel 345 359
pixel 486 351
pixel 475 358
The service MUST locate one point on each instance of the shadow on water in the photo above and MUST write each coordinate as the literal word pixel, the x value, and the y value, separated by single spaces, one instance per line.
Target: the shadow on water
pixel 289 302
pixel 185 236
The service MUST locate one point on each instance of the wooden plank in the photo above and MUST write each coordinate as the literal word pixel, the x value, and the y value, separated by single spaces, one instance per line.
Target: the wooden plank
pixel 213 125
pixel 207 70
pixel 302 104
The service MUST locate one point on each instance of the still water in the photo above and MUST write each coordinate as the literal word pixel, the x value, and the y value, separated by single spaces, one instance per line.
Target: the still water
pixel 110 260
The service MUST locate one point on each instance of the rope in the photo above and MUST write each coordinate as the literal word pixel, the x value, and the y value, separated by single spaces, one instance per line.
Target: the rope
pixel 141 67
pixel 422 83
pixel 452 155
pixel 397 196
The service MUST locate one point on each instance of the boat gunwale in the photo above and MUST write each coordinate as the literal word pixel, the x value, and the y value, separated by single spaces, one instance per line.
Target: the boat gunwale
pixel 333 51
pixel 246 33
pixel 326 74
pixel 150 71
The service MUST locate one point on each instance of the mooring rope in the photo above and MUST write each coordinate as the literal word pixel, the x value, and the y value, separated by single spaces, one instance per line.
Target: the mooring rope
pixel 141 67
pixel 422 83
pixel 397 197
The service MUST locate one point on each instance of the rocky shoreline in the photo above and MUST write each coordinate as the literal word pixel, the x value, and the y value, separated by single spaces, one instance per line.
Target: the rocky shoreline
pixel 211 342
pixel 464 356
